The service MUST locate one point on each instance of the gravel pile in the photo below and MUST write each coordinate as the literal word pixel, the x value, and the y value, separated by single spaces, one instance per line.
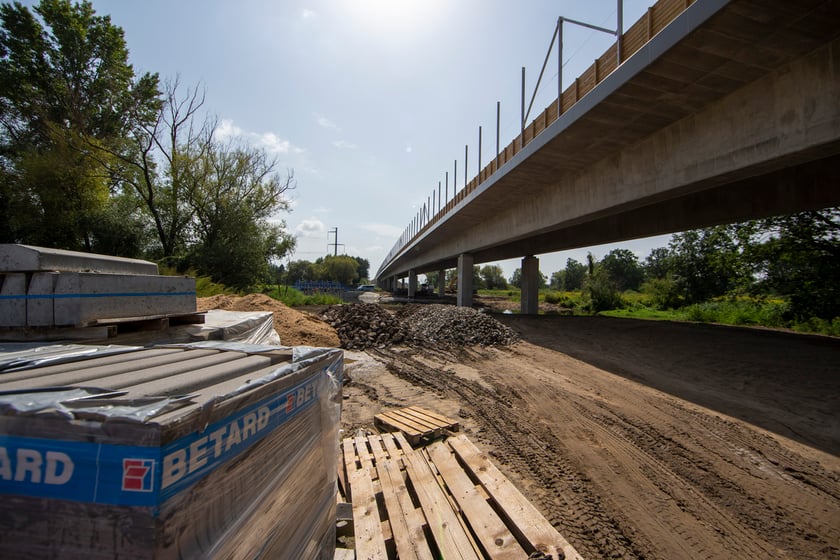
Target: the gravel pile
pixel 445 324
pixel 363 325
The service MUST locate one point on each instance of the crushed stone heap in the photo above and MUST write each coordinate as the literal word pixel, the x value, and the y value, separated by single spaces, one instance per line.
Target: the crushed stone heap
pixel 464 326
pixel 366 325
pixel 363 325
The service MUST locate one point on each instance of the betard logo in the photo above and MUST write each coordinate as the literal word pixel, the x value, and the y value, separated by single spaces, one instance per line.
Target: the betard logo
pixel 138 475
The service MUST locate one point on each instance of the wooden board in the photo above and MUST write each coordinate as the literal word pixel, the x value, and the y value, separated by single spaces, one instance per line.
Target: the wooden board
pixel 416 423
pixel 443 501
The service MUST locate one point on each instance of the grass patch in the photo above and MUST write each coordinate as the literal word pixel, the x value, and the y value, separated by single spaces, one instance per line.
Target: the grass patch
pixel 296 298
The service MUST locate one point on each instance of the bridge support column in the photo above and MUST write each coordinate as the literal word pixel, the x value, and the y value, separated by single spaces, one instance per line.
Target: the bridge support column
pixel 465 280
pixel 530 300
pixel 441 287
pixel 412 283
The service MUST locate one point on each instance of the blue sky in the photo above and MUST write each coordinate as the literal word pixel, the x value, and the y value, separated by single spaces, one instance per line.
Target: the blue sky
pixel 369 102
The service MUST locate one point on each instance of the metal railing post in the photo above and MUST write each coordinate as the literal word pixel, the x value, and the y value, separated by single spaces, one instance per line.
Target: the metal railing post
pixel 522 121
pixel 479 153
pixel 466 163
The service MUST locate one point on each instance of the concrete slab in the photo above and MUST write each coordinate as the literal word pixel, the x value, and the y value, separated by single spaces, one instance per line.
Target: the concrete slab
pixel 39 299
pixel 28 258
pixel 83 298
pixel 12 300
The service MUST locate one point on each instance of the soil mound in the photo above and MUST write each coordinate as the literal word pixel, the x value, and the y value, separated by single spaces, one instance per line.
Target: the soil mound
pixel 294 327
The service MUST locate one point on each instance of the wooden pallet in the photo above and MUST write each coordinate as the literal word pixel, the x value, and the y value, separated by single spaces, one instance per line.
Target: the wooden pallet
pixel 443 501
pixel 416 423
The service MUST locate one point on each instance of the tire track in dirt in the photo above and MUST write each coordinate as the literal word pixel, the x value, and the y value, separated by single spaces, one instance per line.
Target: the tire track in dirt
pixel 648 476
pixel 561 492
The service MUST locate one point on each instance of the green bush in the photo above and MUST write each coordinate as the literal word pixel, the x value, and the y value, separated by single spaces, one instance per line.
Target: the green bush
pixel 205 287
pixel 296 298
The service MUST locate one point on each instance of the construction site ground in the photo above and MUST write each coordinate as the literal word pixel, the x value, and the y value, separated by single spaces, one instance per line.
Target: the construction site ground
pixel 640 439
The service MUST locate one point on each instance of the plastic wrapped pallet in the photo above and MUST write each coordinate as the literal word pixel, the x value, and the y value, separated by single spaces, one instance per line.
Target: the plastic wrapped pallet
pixel 190 451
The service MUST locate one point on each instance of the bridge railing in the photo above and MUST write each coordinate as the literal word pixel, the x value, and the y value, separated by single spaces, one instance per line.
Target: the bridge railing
pixel 634 38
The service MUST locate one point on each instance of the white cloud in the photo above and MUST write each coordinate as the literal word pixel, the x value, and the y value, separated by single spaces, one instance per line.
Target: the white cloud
pixel 385 230
pixel 267 141
pixel 344 145
pixel 408 149
pixel 324 122
pixel 311 228
pixel 307 14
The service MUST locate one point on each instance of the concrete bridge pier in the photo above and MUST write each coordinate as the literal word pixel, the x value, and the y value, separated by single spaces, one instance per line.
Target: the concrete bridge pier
pixel 529 303
pixel 441 287
pixel 465 280
pixel 412 283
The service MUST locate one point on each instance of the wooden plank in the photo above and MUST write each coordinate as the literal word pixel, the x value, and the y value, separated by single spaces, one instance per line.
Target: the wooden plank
pixel 423 423
pixel 441 419
pixel 369 540
pixel 445 526
pixel 391 445
pixel 498 542
pixel 408 538
pixel 362 452
pixel 344 554
pixel 527 519
pixel 396 416
pixel 410 431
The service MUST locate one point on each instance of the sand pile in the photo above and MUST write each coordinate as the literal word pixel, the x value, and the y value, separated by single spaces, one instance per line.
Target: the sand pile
pixel 294 327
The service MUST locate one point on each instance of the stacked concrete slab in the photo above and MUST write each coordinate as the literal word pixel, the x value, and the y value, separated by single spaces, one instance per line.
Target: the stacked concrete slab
pixel 209 450
pixel 42 287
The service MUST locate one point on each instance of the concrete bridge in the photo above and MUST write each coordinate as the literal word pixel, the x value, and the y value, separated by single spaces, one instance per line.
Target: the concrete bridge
pixel 719 111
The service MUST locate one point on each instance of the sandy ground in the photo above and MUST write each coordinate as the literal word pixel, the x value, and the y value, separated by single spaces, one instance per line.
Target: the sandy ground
pixel 636 439
pixel 642 439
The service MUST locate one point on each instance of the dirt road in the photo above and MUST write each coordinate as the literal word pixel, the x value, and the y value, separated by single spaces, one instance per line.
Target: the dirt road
pixel 642 439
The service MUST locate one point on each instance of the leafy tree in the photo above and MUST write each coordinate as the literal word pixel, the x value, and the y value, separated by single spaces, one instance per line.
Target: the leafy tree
pixel 232 193
pixel 66 89
pixel 516 278
pixel 339 268
pixel 798 256
pixel 599 288
pixel 493 277
pixel 658 264
pixel 705 263
pixel 364 268
pixel 300 271
pixel 624 269
pixel 573 275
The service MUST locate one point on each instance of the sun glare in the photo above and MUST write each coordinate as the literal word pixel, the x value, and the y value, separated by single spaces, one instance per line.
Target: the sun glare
pixel 393 18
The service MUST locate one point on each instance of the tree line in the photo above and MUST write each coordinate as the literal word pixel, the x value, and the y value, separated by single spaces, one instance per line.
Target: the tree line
pixel 349 271
pixel 795 258
pixel 95 157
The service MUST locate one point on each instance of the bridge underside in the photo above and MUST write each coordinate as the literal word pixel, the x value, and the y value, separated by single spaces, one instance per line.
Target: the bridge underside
pixel 735 120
